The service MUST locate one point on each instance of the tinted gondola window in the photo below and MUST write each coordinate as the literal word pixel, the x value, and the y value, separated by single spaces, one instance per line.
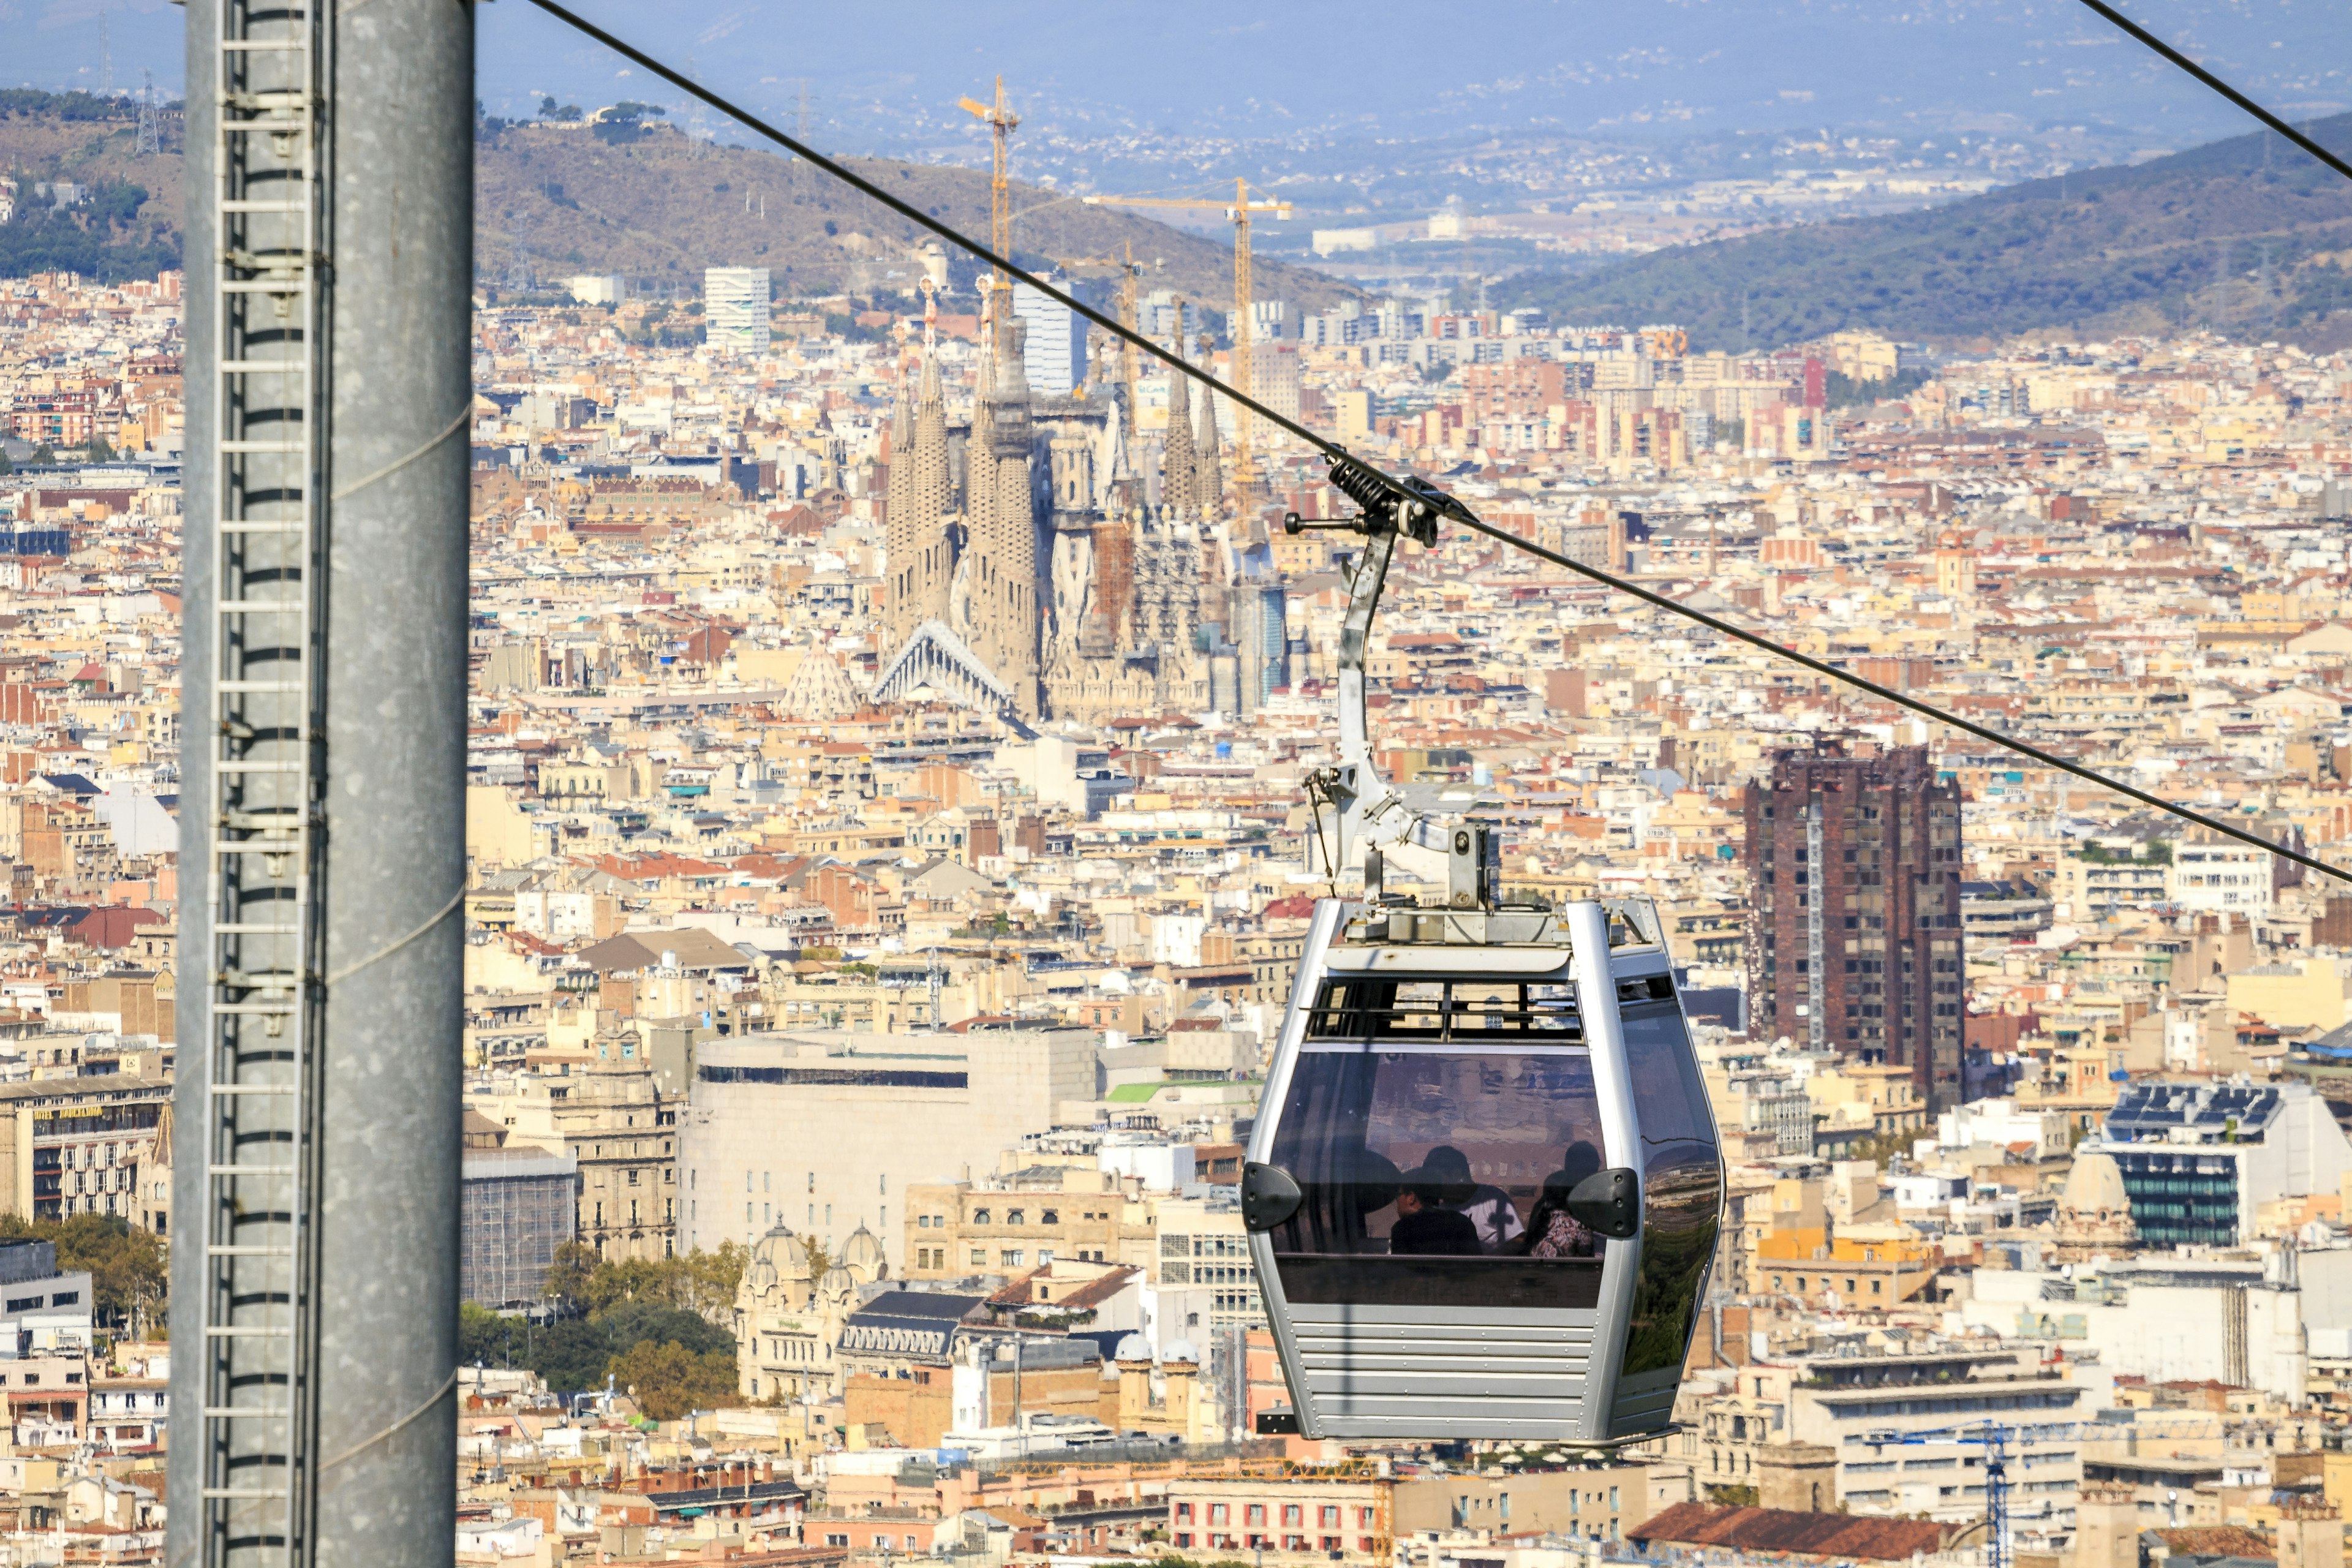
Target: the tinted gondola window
pixel 1437 1176
pixel 1682 1187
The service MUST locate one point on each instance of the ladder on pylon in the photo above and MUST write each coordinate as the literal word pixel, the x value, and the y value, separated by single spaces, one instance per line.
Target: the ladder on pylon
pixel 271 207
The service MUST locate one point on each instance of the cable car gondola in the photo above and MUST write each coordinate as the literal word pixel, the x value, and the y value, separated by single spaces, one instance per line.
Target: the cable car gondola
pixel 1484 1188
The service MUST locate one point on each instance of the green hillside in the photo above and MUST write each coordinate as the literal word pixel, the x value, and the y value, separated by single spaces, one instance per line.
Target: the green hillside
pixel 2253 239
pixel 127 226
pixel 640 200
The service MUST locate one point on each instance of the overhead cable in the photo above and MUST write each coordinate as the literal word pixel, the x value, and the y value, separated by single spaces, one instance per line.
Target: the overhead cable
pixel 1447 504
pixel 1926 709
pixel 2223 88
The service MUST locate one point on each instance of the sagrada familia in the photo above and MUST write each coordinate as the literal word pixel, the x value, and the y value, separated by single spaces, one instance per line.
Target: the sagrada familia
pixel 1032 569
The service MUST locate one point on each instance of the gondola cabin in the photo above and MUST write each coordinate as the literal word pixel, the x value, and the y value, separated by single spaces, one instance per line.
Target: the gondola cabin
pixel 1484 1189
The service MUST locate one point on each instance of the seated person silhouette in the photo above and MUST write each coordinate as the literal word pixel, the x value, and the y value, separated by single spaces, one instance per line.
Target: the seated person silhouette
pixel 1552 1231
pixel 1424 1227
pixel 1488 1209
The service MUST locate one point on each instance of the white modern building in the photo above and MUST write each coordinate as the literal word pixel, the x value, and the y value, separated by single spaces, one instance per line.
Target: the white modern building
pixel 1055 344
pixel 2221 877
pixel 735 308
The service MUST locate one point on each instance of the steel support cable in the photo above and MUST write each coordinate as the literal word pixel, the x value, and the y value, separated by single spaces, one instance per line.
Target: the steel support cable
pixel 338 976
pixel 397 464
pixel 1438 500
pixel 2143 36
pixel 364 1444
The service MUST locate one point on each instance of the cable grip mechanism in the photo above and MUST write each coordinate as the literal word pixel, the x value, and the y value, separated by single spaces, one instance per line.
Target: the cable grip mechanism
pixel 1409 507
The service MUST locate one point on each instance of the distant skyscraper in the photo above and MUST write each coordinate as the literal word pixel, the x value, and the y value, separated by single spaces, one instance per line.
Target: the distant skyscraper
pixel 1854 943
pixel 735 307
pixel 1056 343
pixel 1263 638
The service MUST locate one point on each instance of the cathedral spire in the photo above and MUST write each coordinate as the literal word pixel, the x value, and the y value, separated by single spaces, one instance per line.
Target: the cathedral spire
pixel 902 423
pixel 1179 476
pixel 931 490
pixel 1210 485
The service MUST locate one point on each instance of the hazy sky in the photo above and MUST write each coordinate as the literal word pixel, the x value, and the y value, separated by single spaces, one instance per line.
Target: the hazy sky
pixel 1245 67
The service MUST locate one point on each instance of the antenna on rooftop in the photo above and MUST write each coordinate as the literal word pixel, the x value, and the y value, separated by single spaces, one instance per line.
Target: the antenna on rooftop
pixel 106 59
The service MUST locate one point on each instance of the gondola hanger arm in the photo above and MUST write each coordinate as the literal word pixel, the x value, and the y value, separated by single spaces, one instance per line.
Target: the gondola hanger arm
pixel 1355 802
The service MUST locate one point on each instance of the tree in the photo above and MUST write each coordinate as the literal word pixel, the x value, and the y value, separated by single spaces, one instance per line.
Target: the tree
pixel 570 1354
pixel 668 1380
pixel 567 1278
pixel 547 109
pixel 630 1325
pixel 709 1280
pixel 481 1335
pixel 700 1282
pixel 42 455
pixel 128 1280
pixel 98 451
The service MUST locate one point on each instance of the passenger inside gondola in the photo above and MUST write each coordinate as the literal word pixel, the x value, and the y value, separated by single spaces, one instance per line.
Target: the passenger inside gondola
pixel 1552 1231
pixel 1431 1172
pixel 1425 1226
pixel 1487 1207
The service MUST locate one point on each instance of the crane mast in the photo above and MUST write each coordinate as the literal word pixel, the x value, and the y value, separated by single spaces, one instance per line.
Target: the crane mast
pixel 1002 121
pixel 1238 213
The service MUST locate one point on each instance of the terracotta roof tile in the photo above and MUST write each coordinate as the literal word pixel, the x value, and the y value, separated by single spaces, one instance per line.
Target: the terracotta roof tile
pixel 1783 1530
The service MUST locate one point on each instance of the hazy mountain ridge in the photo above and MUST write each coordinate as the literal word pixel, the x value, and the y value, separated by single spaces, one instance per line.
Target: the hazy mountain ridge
pixel 665 206
pixel 659 207
pixel 2244 237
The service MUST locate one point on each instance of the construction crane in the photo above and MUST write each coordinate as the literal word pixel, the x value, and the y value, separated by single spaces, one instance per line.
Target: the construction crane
pixel 1997 1439
pixel 1237 212
pixel 1128 271
pixel 1001 122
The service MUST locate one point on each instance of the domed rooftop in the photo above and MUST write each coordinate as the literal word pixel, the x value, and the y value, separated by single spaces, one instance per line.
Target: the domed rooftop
pixel 863 1255
pixel 782 1252
pixel 2095 1185
pixel 1182 1350
pixel 1134 1347
pixel 837 1281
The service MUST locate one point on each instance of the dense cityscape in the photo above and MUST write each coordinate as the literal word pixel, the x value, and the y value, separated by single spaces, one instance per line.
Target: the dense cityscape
pixel 887 807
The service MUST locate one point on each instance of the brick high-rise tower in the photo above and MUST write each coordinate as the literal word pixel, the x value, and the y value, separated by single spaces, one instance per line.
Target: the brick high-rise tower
pixel 1853 939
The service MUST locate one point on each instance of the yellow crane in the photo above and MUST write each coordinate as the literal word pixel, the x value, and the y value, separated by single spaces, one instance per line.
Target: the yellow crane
pixel 1127 304
pixel 1237 212
pixel 1001 120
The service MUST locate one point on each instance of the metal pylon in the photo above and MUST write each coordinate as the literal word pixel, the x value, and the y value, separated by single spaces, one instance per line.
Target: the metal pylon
pixel 271 208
